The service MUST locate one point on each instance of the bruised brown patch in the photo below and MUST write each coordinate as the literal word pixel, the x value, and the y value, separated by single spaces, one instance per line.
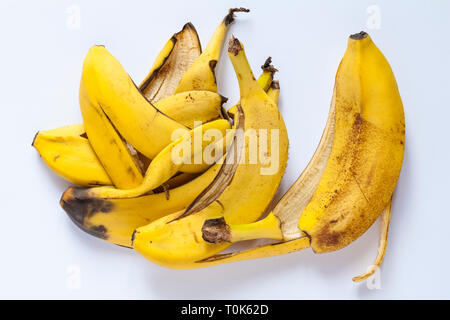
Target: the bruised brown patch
pixel 328 238
pixel 79 206
pixel 98 231
pixel 358 120
pixel 216 231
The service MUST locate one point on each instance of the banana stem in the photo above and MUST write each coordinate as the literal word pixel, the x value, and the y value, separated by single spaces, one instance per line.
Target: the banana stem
pixel 274 91
pixel 218 231
pixel 265 80
pixel 214 46
pixel 246 79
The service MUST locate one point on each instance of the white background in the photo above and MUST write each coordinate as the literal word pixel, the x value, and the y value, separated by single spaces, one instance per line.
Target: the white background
pixel 41 55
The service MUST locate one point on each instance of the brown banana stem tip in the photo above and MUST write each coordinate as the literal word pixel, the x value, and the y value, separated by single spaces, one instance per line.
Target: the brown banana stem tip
pixel 359 36
pixel 188 25
pixel 275 85
pixel 234 46
pixel 216 231
pixel 267 66
pixel 229 18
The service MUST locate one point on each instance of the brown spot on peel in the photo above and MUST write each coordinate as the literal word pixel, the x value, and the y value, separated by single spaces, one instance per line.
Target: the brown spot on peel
pixel 275 85
pixel 133 236
pixel 98 231
pixel 212 66
pixel 34 139
pixel 327 237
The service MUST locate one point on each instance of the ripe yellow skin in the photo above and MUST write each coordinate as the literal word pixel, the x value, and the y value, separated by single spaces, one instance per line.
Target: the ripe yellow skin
pixel 78 163
pixel 367 150
pixel 191 106
pixel 123 216
pixel 201 75
pixel 162 167
pixel 109 88
pixel 350 179
pixel 107 143
pixel 70 155
pixel 178 243
pixel 75 159
pixel 116 219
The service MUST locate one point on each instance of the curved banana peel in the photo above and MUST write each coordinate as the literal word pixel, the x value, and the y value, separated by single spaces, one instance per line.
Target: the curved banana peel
pixel 193 107
pixel 113 152
pixel 74 159
pixel 171 64
pixel 77 162
pixel 367 151
pixel 67 151
pixel 239 192
pixel 265 81
pixel 163 166
pixel 116 219
pixel 201 75
pixel 70 155
pixel 110 89
pixel 350 179
pixel 80 165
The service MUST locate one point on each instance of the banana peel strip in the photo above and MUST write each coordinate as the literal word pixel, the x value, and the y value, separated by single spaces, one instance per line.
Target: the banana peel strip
pixel 385 219
pixel 270 250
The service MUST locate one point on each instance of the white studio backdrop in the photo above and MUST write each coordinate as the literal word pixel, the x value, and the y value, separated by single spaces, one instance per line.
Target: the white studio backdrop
pixel 44 255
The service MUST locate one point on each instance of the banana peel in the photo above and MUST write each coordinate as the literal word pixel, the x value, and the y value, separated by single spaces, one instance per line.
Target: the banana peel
pixel 350 180
pixel 176 57
pixel 115 220
pixel 201 75
pixel 240 192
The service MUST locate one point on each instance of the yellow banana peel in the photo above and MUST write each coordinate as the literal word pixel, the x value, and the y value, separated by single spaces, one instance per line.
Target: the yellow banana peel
pixel 350 179
pixel 239 192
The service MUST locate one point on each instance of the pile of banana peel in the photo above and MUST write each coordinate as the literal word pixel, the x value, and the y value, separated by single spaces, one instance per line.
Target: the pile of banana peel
pixel 187 214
